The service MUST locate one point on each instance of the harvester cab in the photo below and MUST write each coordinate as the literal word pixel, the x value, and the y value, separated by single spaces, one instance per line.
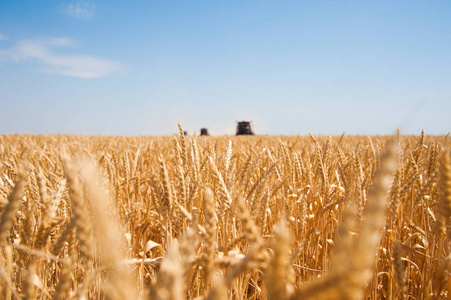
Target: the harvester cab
pixel 244 128
pixel 204 131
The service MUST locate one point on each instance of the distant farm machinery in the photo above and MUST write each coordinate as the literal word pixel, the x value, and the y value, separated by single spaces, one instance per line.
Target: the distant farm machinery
pixel 244 128
pixel 204 131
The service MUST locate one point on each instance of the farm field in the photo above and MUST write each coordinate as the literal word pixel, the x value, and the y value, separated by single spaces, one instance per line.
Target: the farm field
pixel 256 217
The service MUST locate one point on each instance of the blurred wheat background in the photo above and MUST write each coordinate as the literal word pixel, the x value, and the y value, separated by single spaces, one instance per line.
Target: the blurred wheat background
pixel 306 217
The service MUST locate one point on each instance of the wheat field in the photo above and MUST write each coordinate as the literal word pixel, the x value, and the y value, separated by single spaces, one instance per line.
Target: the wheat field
pixel 186 217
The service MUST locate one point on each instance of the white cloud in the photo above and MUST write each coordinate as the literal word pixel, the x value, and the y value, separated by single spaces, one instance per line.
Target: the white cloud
pixel 3 37
pixel 81 10
pixel 42 54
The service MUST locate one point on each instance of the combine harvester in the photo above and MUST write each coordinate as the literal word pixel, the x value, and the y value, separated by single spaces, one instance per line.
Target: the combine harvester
pixel 204 131
pixel 244 128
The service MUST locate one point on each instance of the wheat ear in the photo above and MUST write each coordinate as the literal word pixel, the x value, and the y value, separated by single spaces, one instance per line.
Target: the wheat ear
pixel 14 199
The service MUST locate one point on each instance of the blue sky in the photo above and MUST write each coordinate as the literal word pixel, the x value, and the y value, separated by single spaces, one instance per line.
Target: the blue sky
pixel 292 67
